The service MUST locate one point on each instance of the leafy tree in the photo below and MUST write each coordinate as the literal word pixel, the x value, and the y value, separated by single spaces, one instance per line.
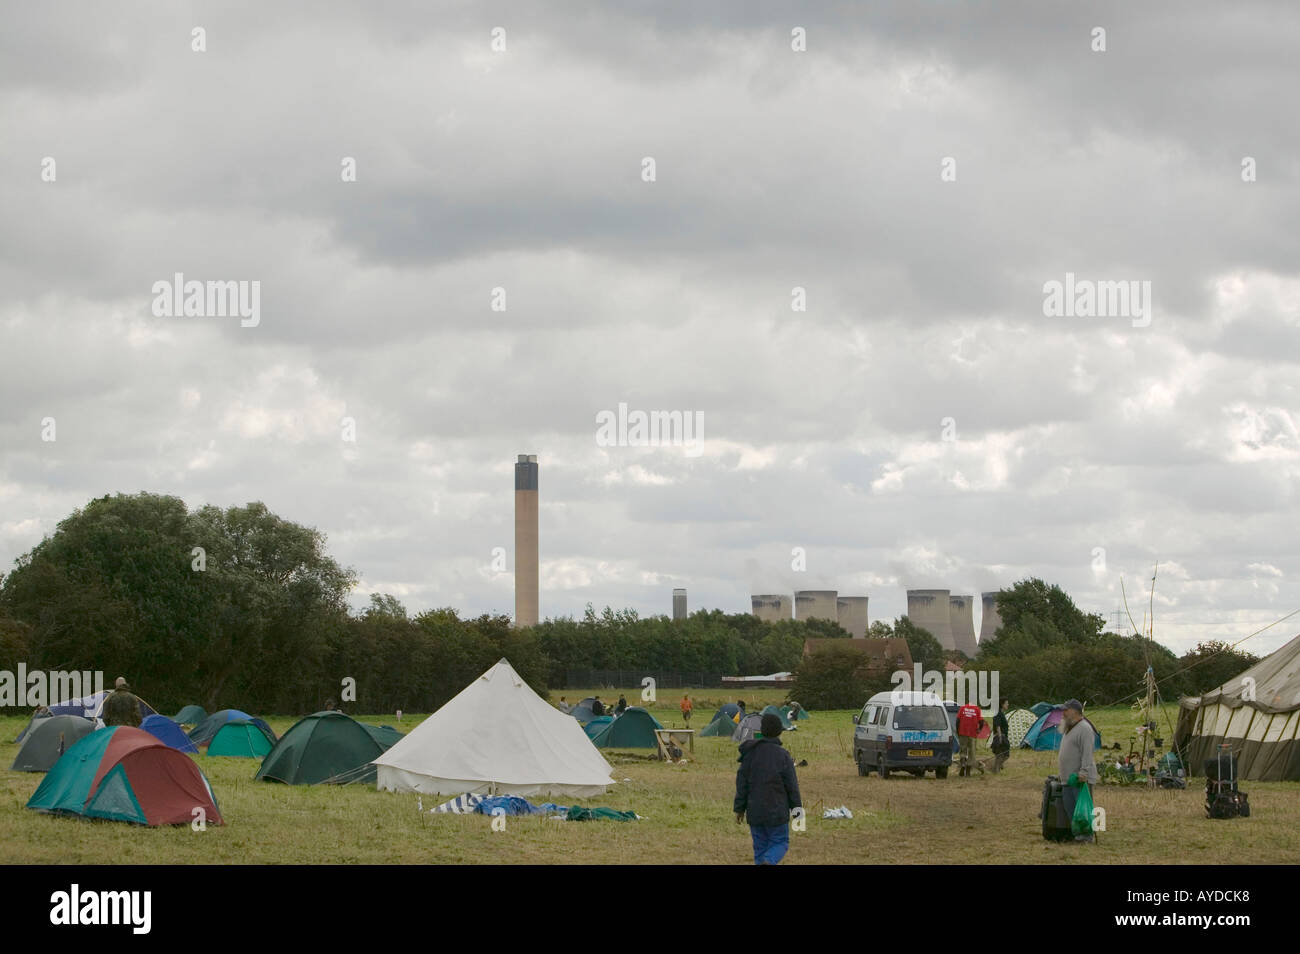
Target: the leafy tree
pixel 836 677
pixel 1210 665
pixel 1036 615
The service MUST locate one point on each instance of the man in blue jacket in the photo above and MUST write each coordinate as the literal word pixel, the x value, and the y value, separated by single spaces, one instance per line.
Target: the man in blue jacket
pixel 766 791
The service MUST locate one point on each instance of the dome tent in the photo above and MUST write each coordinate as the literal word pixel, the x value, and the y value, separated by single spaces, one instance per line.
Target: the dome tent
pixel 327 747
pixel 748 727
pixel 721 727
pixel 242 738
pixel 1045 734
pixel 203 733
pixel 1019 722
pixel 634 729
pixel 169 733
pixel 50 738
pixel 190 715
pixel 124 774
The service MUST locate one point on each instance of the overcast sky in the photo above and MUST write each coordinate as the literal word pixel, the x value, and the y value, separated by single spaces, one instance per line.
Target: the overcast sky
pixel 1080 450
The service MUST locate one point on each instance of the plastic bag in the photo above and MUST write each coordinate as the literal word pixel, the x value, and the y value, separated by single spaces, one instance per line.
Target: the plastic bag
pixel 1081 823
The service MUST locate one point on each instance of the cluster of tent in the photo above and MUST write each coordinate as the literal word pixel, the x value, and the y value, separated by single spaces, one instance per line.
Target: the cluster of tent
pixel 144 774
pixel 731 722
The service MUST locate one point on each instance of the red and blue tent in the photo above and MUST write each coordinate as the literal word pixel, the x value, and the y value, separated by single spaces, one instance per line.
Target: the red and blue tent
pixel 125 774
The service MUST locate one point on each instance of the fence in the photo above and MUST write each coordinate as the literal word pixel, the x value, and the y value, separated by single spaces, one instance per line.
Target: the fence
pixel 631 679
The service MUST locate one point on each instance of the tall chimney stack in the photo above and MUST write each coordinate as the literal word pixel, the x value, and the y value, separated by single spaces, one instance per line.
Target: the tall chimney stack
pixel 526 540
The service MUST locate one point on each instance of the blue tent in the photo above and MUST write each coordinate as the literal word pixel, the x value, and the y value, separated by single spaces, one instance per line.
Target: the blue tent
pixel 1040 708
pixel 1045 734
pixel 728 709
pixel 169 733
pixel 597 723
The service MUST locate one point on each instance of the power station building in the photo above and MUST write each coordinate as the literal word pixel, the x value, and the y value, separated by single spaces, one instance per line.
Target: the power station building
pixel 961 619
pixel 679 603
pixel 816 604
pixel 770 607
pixel 930 610
pixel 991 620
pixel 526 564
pixel 851 611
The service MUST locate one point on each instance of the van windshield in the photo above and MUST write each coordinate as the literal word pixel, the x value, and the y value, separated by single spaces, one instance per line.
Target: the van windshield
pixel 925 718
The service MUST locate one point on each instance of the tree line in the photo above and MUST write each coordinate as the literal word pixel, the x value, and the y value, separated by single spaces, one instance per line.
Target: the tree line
pixel 241 608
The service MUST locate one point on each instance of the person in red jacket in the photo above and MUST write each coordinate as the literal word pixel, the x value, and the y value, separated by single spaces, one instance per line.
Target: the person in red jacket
pixel 970 722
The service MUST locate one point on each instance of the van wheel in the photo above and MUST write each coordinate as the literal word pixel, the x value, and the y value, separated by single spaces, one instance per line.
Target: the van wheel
pixel 881 768
pixel 862 768
pixel 941 772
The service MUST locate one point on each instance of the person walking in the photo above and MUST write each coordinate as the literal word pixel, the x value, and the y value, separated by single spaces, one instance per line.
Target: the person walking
pixel 1074 762
pixel 686 708
pixel 121 707
pixel 1001 740
pixel 767 790
pixel 970 722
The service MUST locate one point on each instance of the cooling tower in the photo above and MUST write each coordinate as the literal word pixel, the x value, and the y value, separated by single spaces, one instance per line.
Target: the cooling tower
pixel 852 614
pixel 990 622
pixel 771 608
pixel 679 604
pixel 816 604
pixel 962 620
pixel 928 609
pixel 526 540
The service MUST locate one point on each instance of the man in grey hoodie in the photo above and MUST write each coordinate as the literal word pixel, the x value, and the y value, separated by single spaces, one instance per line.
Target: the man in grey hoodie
pixel 767 789
pixel 1074 761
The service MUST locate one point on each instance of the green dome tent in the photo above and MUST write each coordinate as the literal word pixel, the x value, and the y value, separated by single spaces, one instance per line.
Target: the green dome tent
pixel 190 715
pixel 326 747
pixel 242 738
pixel 596 725
pixel 634 729
pixel 721 727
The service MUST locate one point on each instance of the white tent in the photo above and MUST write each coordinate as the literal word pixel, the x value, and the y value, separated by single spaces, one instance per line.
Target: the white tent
pixel 499 737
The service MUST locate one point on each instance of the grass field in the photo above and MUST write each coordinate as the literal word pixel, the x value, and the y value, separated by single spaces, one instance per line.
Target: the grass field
pixel 687 809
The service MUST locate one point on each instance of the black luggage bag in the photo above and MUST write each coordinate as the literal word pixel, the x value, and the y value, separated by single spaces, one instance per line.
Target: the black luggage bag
pixel 1056 822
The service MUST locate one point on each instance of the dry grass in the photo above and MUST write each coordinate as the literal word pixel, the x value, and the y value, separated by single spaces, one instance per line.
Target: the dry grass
pixel 990 819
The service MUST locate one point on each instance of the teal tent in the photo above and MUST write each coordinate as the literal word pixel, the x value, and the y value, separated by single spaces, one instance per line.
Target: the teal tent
pixel 242 738
pixel 1040 708
pixel 785 721
pixel 596 725
pixel 634 729
pixel 1045 734
pixel 190 715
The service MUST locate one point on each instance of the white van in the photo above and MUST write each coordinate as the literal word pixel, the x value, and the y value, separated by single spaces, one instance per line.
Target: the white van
pixel 907 731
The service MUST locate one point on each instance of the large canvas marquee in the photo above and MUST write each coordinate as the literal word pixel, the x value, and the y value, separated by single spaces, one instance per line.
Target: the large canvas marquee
pixel 1256 713
pixel 498 737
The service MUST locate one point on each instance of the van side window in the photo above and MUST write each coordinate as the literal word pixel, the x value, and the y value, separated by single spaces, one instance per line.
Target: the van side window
pixel 882 716
pixel 865 718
